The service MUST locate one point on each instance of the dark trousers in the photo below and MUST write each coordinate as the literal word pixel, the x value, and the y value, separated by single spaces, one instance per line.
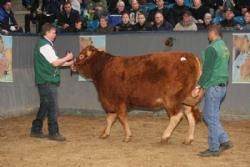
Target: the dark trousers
pixel 48 107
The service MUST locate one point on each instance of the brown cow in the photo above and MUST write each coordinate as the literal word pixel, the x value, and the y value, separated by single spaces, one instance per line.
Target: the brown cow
pixel 159 80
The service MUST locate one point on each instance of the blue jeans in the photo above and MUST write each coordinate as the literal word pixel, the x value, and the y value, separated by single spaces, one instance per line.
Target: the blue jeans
pixel 48 107
pixel 211 115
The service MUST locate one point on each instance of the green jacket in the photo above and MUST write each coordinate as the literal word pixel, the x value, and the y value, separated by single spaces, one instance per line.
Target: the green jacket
pixel 45 72
pixel 215 61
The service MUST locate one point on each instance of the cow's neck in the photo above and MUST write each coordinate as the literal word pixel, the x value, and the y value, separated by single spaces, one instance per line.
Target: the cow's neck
pixel 98 64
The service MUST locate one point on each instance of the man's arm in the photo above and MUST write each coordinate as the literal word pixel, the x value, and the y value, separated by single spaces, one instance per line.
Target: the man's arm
pixel 208 66
pixel 48 52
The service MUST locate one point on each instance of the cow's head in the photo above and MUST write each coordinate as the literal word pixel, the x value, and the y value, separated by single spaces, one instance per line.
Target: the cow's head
pixel 84 61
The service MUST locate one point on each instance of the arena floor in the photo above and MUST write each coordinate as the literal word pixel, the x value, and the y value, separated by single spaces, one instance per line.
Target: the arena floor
pixel 84 148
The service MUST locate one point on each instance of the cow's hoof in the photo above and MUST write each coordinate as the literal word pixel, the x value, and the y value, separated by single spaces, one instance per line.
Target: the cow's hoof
pixel 164 140
pixel 127 139
pixel 187 142
pixel 104 136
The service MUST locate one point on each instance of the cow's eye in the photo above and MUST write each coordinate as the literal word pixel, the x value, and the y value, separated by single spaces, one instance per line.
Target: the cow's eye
pixel 81 56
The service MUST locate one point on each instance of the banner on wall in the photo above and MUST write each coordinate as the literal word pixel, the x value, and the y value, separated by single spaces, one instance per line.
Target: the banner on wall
pixel 241 58
pixel 6 73
pixel 98 41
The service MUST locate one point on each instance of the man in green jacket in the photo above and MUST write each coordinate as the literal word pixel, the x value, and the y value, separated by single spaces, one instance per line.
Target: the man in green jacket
pixel 47 78
pixel 214 79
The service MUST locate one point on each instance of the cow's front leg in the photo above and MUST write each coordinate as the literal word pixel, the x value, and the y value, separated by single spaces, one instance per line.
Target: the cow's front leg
pixel 123 118
pixel 174 120
pixel 191 122
pixel 110 120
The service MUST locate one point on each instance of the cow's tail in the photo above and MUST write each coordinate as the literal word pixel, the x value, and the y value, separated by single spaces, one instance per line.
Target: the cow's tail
pixel 196 113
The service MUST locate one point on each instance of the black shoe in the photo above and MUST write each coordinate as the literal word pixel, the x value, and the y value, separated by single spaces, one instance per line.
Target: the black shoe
pixel 57 137
pixel 208 153
pixel 37 135
pixel 226 146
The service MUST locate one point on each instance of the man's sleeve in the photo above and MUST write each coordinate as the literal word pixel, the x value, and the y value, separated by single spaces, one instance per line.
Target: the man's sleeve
pixel 208 66
pixel 48 52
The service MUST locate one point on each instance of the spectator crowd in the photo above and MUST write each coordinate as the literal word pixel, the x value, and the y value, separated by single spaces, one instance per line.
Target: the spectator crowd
pixel 107 16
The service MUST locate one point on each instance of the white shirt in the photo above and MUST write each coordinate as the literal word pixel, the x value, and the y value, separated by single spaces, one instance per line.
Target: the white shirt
pixel 48 52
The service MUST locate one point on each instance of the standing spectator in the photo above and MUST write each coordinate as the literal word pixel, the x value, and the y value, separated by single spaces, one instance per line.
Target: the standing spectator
pixel 229 23
pixel 125 24
pixel 112 5
pixel 104 26
pixel 8 22
pixel 50 9
pixel 134 12
pixel 32 16
pixel 160 7
pixel 47 78
pixel 68 16
pixel 120 8
pixel 198 10
pixel 207 21
pixel 76 5
pixel 246 25
pixel 177 12
pixel 142 24
pixel 214 79
pixel 187 23
pixel 160 24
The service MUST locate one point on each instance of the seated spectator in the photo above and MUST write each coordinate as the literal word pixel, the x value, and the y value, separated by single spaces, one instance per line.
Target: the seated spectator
pixel 104 26
pixel 242 6
pixel 160 24
pixel 246 26
pixel 94 3
pixel 229 23
pixel 177 12
pixel 120 8
pixel 198 10
pixel 125 24
pixel 212 5
pixel 7 18
pixel 207 21
pixel 160 7
pixel 187 23
pixel 142 24
pixel 112 5
pixel 78 26
pixel 134 12
pixel 50 9
pixel 96 8
pixel 67 17
pixel 225 4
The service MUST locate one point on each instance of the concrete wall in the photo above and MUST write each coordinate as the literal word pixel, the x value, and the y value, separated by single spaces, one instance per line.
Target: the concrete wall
pixel 21 97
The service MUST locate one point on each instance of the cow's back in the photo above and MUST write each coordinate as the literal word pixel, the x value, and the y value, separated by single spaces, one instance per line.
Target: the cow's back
pixel 144 81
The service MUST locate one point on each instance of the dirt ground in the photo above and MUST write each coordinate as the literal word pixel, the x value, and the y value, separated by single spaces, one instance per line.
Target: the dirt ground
pixel 84 148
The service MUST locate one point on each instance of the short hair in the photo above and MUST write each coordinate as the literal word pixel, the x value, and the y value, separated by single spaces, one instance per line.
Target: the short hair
pixel 47 27
pixel 5 1
pixel 67 3
pixel 215 28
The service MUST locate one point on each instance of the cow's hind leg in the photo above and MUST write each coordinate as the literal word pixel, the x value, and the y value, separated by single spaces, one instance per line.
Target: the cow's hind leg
pixel 174 120
pixel 191 122
pixel 123 118
pixel 111 118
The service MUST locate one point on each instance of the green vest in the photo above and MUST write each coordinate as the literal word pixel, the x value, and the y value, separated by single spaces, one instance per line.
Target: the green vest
pixel 44 71
pixel 220 70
